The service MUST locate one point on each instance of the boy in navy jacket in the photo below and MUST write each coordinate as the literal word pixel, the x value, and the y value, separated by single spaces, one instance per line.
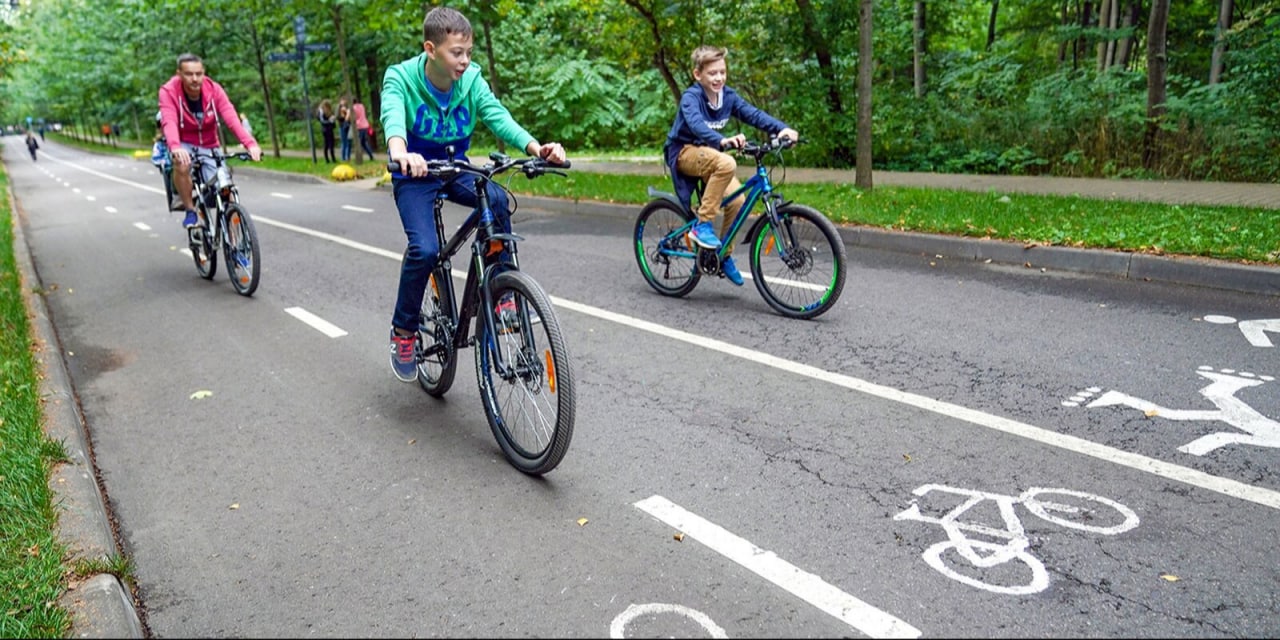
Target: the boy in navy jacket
pixel 693 147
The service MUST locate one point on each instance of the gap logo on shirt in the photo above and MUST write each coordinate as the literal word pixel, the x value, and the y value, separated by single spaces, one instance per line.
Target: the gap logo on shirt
pixel 454 124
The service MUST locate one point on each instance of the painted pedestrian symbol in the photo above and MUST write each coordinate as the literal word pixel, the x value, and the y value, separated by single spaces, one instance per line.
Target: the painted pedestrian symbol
pixel 1255 331
pixel 1259 430
pixel 979 562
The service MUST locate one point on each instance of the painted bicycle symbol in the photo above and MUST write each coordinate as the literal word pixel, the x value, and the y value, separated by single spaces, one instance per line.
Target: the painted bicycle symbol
pixel 1259 430
pixel 978 562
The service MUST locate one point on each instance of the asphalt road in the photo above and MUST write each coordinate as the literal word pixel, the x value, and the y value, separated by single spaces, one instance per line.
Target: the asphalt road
pixel 733 472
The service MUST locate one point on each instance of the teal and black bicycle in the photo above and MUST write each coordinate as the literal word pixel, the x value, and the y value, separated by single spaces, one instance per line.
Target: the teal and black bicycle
pixel 796 254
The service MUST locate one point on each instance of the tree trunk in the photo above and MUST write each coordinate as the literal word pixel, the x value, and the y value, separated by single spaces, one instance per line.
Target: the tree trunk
pixel 1124 48
pixel 826 69
pixel 660 61
pixel 1219 40
pixel 1157 66
pixel 342 48
pixel 1103 19
pixel 862 168
pixel 921 47
pixel 261 65
pixel 991 24
pixel 1066 20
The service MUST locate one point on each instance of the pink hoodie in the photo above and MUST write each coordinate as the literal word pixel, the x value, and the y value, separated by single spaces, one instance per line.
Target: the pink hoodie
pixel 362 121
pixel 180 123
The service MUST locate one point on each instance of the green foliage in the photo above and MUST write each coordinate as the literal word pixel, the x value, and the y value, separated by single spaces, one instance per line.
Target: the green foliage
pixel 599 74
pixel 31 556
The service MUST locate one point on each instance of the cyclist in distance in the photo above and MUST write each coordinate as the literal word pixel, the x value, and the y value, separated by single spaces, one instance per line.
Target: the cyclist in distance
pixel 429 102
pixel 191 106
pixel 693 147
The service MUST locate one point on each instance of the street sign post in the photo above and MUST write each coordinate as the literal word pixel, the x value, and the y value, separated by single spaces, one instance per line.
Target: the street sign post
pixel 300 54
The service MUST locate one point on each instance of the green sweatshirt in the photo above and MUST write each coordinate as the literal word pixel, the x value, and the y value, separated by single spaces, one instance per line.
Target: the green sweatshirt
pixel 409 111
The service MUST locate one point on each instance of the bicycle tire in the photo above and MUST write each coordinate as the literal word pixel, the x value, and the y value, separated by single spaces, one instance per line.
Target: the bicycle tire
pixel 995 554
pixel 438 360
pixel 203 251
pixel 240 240
pixel 531 411
pixel 669 273
pixel 1048 511
pixel 803 281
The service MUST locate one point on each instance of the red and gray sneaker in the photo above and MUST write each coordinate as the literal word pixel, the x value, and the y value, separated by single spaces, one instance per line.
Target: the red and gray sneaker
pixel 404 359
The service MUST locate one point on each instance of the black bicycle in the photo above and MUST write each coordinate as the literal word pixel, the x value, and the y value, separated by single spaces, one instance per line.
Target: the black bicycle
pixel 224 224
pixel 522 362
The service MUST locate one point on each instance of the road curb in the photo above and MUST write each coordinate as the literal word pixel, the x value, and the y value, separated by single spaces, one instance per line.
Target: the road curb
pixel 100 606
pixel 1202 272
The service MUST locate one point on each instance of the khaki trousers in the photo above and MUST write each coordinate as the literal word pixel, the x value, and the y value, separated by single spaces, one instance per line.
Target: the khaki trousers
pixel 718 170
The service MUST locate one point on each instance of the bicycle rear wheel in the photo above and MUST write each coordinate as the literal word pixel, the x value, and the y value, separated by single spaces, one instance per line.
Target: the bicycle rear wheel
pixel 528 391
pixel 799 268
pixel 439 358
pixel 240 246
pixel 204 250
pixel 668 260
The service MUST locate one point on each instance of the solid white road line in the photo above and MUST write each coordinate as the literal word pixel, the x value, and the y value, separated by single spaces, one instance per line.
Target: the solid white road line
pixel 351 207
pixel 316 322
pixel 806 586
pixel 142 225
pixel 281 195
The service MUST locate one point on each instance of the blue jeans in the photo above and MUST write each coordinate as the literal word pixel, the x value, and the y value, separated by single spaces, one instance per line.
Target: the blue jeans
pixel 415 199
pixel 346 142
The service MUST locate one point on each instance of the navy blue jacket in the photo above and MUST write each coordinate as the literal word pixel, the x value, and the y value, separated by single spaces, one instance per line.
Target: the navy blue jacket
pixel 697 123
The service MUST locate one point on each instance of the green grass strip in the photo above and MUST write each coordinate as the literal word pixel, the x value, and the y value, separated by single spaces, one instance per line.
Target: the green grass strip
pixel 32 559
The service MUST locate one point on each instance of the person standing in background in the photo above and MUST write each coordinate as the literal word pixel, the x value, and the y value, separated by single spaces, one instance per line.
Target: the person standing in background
pixel 362 129
pixel 344 128
pixel 328 122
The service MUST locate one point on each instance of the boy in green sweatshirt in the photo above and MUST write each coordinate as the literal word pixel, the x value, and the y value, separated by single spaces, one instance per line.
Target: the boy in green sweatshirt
pixel 430 102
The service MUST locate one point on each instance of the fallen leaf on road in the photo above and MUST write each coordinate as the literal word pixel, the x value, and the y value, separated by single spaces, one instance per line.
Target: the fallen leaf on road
pixel 1151 413
pixel 582 522
pixel 413 441
pixel 679 537
pixel 234 506
pixel 201 395
pixel 1169 577
pixel 906 457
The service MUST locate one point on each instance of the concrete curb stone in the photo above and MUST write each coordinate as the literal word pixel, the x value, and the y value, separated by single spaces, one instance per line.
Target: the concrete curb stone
pixel 100 606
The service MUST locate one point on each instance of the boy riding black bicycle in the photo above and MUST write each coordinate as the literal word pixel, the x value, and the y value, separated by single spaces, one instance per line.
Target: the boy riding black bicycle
pixel 431 102
pixel 693 147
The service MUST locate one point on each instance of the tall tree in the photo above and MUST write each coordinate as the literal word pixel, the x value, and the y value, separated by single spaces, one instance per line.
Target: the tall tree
pixel 1220 40
pixel 991 23
pixel 862 167
pixel 920 48
pixel 826 69
pixel 661 55
pixel 1157 66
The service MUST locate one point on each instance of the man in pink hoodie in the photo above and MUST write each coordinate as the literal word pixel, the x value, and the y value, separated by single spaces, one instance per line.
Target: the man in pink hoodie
pixel 191 105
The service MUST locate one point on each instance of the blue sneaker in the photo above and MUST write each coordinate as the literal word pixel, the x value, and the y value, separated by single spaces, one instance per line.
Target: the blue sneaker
pixel 404 362
pixel 703 234
pixel 191 220
pixel 730 271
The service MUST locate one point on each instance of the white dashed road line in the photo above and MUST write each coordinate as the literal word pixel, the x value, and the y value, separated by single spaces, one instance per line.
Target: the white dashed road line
pixel 766 564
pixel 316 322
pixel 282 195
pixel 142 225
pixel 351 207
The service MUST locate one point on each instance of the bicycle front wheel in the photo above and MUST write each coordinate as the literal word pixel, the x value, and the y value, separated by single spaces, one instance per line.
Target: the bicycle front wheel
pixel 439 359
pixel 526 382
pixel 799 267
pixel 668 260
pixel 240 245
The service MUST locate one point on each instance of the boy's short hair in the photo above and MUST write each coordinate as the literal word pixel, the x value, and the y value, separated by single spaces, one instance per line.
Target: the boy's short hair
pixel 705 55
pixel 442 21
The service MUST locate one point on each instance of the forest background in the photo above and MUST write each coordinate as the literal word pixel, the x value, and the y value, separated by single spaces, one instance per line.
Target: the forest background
pixel 1183 89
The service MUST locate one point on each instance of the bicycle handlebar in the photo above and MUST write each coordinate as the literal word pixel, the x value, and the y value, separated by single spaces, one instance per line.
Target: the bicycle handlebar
pixel 773 144
pixel 500 163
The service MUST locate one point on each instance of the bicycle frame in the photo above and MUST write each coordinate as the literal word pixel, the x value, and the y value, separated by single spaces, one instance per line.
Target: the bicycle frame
pixel 758 188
